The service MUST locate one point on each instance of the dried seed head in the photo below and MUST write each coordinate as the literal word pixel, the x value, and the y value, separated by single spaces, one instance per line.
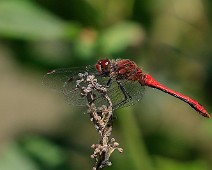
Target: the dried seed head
pixel 112 140
pixel 116 144
pixel 120 150
pixel 101 117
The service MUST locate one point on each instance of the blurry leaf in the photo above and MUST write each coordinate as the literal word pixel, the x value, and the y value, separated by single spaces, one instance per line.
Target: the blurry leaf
pixel 167 164
pixel 85 46
pixel 43 150
pixel 14 159
pixel 136 149
pixel 121 36
pixel 25 20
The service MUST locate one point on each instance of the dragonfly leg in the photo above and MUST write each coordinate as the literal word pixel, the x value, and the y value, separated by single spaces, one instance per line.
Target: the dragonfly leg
pixel 67 81
pixel 66 90
pixel 109 83
pixel 127 96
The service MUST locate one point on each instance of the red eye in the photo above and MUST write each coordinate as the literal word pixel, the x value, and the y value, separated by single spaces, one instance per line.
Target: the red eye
pixel 103 66
pixel 105 63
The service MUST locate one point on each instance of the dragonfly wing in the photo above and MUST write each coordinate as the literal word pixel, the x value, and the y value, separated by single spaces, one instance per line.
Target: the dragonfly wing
pixel 57 79
pixel 133 88
pixel 64 81
pixel 73 94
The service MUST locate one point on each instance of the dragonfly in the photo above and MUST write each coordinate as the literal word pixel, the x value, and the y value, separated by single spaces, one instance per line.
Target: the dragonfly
pixel 124 80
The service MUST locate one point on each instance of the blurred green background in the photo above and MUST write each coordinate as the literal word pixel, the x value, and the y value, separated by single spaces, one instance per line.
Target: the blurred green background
pixel 170 39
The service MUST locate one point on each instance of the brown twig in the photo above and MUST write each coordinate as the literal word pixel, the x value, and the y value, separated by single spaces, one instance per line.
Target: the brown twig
pixel 102 117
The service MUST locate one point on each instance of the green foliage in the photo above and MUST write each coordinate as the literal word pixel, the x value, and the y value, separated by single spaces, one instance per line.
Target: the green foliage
pixel 14 158
pixel 25 20
pixel 170 39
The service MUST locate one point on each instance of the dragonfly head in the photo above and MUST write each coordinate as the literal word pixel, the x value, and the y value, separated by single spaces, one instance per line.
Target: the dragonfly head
pixel 103 66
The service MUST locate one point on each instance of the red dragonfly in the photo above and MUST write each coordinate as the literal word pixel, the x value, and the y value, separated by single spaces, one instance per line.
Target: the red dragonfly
pixel 124 79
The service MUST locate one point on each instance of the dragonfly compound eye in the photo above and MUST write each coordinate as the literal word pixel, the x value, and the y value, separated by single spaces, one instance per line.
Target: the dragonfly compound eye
pixel 105 63
pixel 103 66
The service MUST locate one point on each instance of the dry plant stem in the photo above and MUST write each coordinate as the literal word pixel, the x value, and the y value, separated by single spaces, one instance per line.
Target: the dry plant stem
pixel 102 118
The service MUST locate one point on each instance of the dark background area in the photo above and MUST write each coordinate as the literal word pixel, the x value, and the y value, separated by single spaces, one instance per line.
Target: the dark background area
pixel 170 39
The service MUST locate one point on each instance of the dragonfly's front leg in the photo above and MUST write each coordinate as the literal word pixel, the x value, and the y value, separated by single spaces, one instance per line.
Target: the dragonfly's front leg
pixel 109 83
pixel 127 96
pixel 67 81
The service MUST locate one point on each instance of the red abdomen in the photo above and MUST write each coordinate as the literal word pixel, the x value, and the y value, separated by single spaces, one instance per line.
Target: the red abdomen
pixel 149 81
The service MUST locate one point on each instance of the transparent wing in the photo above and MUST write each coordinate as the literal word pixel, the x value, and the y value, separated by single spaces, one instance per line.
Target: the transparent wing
pixel 134 89
pixel 64 81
